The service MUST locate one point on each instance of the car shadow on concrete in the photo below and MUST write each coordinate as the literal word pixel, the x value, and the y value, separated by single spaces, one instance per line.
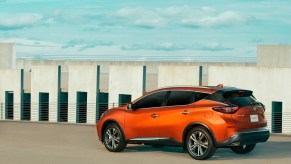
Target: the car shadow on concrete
pixel 269 150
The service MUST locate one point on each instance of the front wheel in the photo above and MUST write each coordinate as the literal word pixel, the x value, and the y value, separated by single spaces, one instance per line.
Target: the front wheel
pixel 113 138
pixel 200 144
pixel 243 149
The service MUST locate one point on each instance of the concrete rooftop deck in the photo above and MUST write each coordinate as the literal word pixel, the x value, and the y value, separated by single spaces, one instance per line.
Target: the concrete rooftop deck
pixel 29 143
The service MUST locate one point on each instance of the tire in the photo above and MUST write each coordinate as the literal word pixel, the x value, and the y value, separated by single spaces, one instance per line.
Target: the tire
pixel 113 138
pixel 243 149
pixel 199 144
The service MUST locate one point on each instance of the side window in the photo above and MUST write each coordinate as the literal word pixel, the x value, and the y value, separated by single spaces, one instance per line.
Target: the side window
pixel 184 97
pixel 199 96
pixel 150 101
pixel 180 98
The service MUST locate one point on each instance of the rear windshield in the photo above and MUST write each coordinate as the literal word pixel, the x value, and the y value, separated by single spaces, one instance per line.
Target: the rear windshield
pixel 238 97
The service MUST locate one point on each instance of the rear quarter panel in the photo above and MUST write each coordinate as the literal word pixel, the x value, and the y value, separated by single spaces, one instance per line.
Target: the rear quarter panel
pixel 220 124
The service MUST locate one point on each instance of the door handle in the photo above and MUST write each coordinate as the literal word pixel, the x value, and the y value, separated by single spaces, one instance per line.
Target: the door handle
pixel 185 112
pixel 154 115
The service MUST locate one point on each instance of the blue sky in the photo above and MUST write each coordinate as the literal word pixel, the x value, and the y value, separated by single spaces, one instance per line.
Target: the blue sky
pixel 144 29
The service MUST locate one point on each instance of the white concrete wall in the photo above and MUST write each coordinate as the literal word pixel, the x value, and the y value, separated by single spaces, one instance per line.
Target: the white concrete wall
pixel 44 79
pixel 82 79
pixel 7 55
pixel 274 56
pixel 10 80
pixel 178 75
pixel 268 84
pixel 125 79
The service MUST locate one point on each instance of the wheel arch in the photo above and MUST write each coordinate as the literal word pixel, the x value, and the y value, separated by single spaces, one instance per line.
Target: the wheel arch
pixel 197 124
pixel 108 122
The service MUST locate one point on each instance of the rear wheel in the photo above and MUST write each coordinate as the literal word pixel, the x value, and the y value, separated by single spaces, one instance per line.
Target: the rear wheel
pixel 113 138
pixel 243 149
pixel 200 144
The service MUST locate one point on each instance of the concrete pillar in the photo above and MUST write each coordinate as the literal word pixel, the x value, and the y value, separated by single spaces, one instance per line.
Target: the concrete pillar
pixel 10 81
pixel 44 79
pixel 7 56
pixel 82 79
pixel 125 79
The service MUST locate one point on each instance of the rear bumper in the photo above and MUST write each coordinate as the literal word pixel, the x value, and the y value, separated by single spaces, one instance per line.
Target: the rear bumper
pixel 246 138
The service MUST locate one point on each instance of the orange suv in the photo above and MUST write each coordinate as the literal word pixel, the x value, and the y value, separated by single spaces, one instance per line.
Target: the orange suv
pixel 199 119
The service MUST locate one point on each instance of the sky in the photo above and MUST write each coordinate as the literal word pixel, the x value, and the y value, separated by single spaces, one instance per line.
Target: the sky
pixel 157 30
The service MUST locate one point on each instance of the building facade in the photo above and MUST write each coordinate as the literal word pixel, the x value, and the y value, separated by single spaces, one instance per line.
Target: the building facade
pixel 79 91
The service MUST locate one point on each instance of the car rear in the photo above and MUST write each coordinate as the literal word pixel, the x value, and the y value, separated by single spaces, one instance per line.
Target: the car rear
pixel 247 116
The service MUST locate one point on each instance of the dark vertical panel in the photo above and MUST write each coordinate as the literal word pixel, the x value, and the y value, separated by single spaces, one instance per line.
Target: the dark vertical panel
pixel 97 94
pixel 21 93
pixel 9 105
pixel 63 110
pixel 81 107
pixel 276 117
pixel 59 93
pixel 103 103
pixel 26 111
pixel 43 106
pixel 144 78
pixel 200 75
pixel 124 99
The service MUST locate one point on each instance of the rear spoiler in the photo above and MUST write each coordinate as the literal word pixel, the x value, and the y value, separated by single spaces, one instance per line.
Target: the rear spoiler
pixel 227 92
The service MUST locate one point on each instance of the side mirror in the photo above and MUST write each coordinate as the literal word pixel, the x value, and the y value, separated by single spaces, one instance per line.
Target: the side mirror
pixel 129 106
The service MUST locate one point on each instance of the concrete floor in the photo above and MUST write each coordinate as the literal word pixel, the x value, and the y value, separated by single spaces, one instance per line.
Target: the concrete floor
pixel 35 143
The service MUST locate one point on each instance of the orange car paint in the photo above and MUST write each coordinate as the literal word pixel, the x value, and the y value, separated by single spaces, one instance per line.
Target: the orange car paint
pixel 172 123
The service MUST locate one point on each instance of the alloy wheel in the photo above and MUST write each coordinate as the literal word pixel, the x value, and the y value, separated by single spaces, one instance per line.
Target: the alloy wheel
pixel 112 138
pixel 198 143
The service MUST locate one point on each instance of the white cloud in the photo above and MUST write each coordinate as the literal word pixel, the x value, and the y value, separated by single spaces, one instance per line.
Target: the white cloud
pixel 183 15
pixel 85 44
pixel 224 19
pixel 21 21
pixel 29 42
pixel 141 17
pixel 214 46
pixel 149 23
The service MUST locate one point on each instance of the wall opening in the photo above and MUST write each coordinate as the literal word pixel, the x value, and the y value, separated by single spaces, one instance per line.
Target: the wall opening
pixel 81 107
pixel 276 117
pixel 43 106
pixel 63 111
pixel 9 105
pixel 103 103
pixel 26 108
pixel 124 99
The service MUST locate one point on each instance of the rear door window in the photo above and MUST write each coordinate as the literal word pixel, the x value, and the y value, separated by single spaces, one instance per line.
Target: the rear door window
pixel 184 97
pixel 180 98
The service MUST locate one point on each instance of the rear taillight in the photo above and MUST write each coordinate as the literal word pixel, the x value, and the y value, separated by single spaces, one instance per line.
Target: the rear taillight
pixel 229 109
